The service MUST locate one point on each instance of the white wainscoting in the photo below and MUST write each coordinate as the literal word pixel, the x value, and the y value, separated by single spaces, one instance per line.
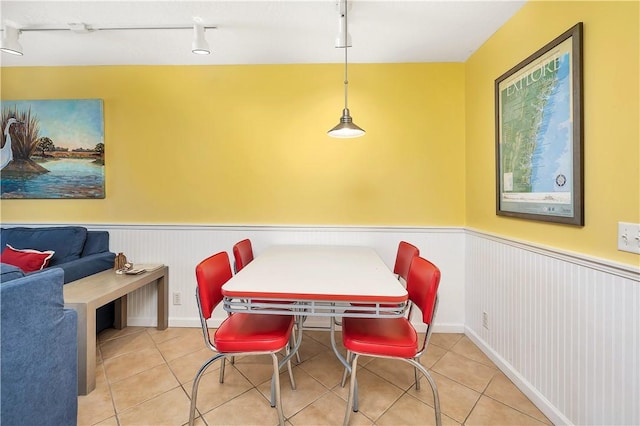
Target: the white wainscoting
pixel 564 328
pixel 182 247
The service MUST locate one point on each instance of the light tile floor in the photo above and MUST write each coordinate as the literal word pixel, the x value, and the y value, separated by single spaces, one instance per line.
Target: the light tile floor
pixel 144 377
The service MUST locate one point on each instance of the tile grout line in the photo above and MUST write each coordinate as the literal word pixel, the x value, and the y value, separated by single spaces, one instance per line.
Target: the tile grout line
pixel 180 385
pixel 327 390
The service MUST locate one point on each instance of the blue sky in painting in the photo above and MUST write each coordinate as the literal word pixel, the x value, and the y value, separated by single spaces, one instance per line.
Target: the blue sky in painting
pixel 70 123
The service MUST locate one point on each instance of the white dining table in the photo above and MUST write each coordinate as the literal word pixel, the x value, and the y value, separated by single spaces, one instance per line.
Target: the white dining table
pixel 333 281
pixel 317 280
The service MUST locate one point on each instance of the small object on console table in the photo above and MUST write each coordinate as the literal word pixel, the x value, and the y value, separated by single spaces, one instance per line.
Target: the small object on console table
pixel 119 261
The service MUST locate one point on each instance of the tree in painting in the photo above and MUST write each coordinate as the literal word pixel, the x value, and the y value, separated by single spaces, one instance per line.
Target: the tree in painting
pixel 44 145
pixel 24 141
pixel 99 149
pixel 38 167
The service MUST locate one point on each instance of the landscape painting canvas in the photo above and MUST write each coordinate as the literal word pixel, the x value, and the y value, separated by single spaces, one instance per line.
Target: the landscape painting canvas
pixel 52 149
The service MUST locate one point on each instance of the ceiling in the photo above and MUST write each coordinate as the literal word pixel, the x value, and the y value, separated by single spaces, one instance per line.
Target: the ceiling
pixel 252 32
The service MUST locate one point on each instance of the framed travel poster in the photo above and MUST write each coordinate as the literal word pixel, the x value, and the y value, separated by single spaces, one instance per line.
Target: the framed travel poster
pixel 539 146
pixel 52 149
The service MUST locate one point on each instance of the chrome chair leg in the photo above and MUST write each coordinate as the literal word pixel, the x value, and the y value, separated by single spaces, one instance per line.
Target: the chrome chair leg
pixel 434 389
pixel 352 386
pixel 276 384
pixel 196 382
pixel 416 374
pixel 344 373
pixel 292 343
pixel 289 369
pixel 222 365
pixel 287 360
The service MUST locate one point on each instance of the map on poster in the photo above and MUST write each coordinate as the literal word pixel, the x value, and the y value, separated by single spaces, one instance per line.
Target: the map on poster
pixel 536 137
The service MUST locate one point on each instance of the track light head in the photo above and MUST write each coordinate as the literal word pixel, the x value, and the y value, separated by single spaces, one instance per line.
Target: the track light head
pixel 199 45
pixel 10 42
pixel 11 34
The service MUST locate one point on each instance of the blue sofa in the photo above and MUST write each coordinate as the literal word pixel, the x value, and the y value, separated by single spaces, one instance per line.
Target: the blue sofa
pixel 38 352
pixel 78 252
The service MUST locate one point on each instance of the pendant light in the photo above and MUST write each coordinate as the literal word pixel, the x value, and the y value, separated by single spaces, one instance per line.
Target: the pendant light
pixel 346 128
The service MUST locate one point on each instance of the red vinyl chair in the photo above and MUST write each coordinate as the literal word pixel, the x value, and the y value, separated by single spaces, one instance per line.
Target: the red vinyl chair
pixel 242 254
pixel 239 333
pixel 404 256
pixel 396 338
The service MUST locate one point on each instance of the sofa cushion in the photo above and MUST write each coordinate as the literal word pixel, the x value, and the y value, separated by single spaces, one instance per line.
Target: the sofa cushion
pixel 97 242
pixel 38 352
pixel 66 241
pixel 26 259
pixel 9 272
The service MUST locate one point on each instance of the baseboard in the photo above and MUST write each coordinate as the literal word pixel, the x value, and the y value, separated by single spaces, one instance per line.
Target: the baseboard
pixel 152 322
pixel 319 322
pixel 446 328
pixel 543 404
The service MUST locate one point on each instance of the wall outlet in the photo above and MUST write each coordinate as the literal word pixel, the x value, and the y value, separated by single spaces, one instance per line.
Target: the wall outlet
pixel 629 237
pixel 485 320
pixel 177 298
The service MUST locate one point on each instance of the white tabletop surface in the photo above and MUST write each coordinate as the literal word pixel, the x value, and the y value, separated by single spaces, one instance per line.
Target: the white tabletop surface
pixel 340 273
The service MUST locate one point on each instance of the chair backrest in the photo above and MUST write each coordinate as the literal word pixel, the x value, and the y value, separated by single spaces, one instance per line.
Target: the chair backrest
pixel 422 286
pixel 242 253
pixel 406 253
pixel 211 274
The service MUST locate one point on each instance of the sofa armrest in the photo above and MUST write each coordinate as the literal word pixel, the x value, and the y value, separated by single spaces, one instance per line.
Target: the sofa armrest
pixel 38 352
pixel 9 272
pixel 86 266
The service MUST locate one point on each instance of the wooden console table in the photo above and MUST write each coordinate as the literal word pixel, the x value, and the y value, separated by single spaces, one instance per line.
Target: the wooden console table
pixel 88 294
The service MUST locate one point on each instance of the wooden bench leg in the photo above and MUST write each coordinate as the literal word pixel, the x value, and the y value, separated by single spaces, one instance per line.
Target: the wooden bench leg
pixel 86 347
pixel 163 302
pixel 120 320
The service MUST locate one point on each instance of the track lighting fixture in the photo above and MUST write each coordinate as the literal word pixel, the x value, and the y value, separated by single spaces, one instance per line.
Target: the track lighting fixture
pixel 10 42
pixel 10 35
pixel 199 45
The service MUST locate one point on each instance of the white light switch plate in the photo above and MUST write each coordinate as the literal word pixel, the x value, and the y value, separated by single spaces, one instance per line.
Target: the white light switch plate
pixel 629 237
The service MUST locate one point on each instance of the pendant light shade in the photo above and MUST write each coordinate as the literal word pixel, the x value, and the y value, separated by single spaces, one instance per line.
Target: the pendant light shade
pixel 10 42
pixel 346 128
pixel 199 45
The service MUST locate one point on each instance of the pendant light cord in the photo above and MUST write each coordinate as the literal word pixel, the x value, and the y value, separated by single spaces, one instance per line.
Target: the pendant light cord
pixel 346 80
pixel 346 48
pixel 346 128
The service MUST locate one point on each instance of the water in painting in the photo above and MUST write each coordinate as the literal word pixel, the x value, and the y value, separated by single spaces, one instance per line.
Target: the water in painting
pixel 52 149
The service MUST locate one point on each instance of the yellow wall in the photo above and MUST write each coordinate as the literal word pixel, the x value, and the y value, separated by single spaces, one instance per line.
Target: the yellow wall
pixel 611 122
pixel 248 144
